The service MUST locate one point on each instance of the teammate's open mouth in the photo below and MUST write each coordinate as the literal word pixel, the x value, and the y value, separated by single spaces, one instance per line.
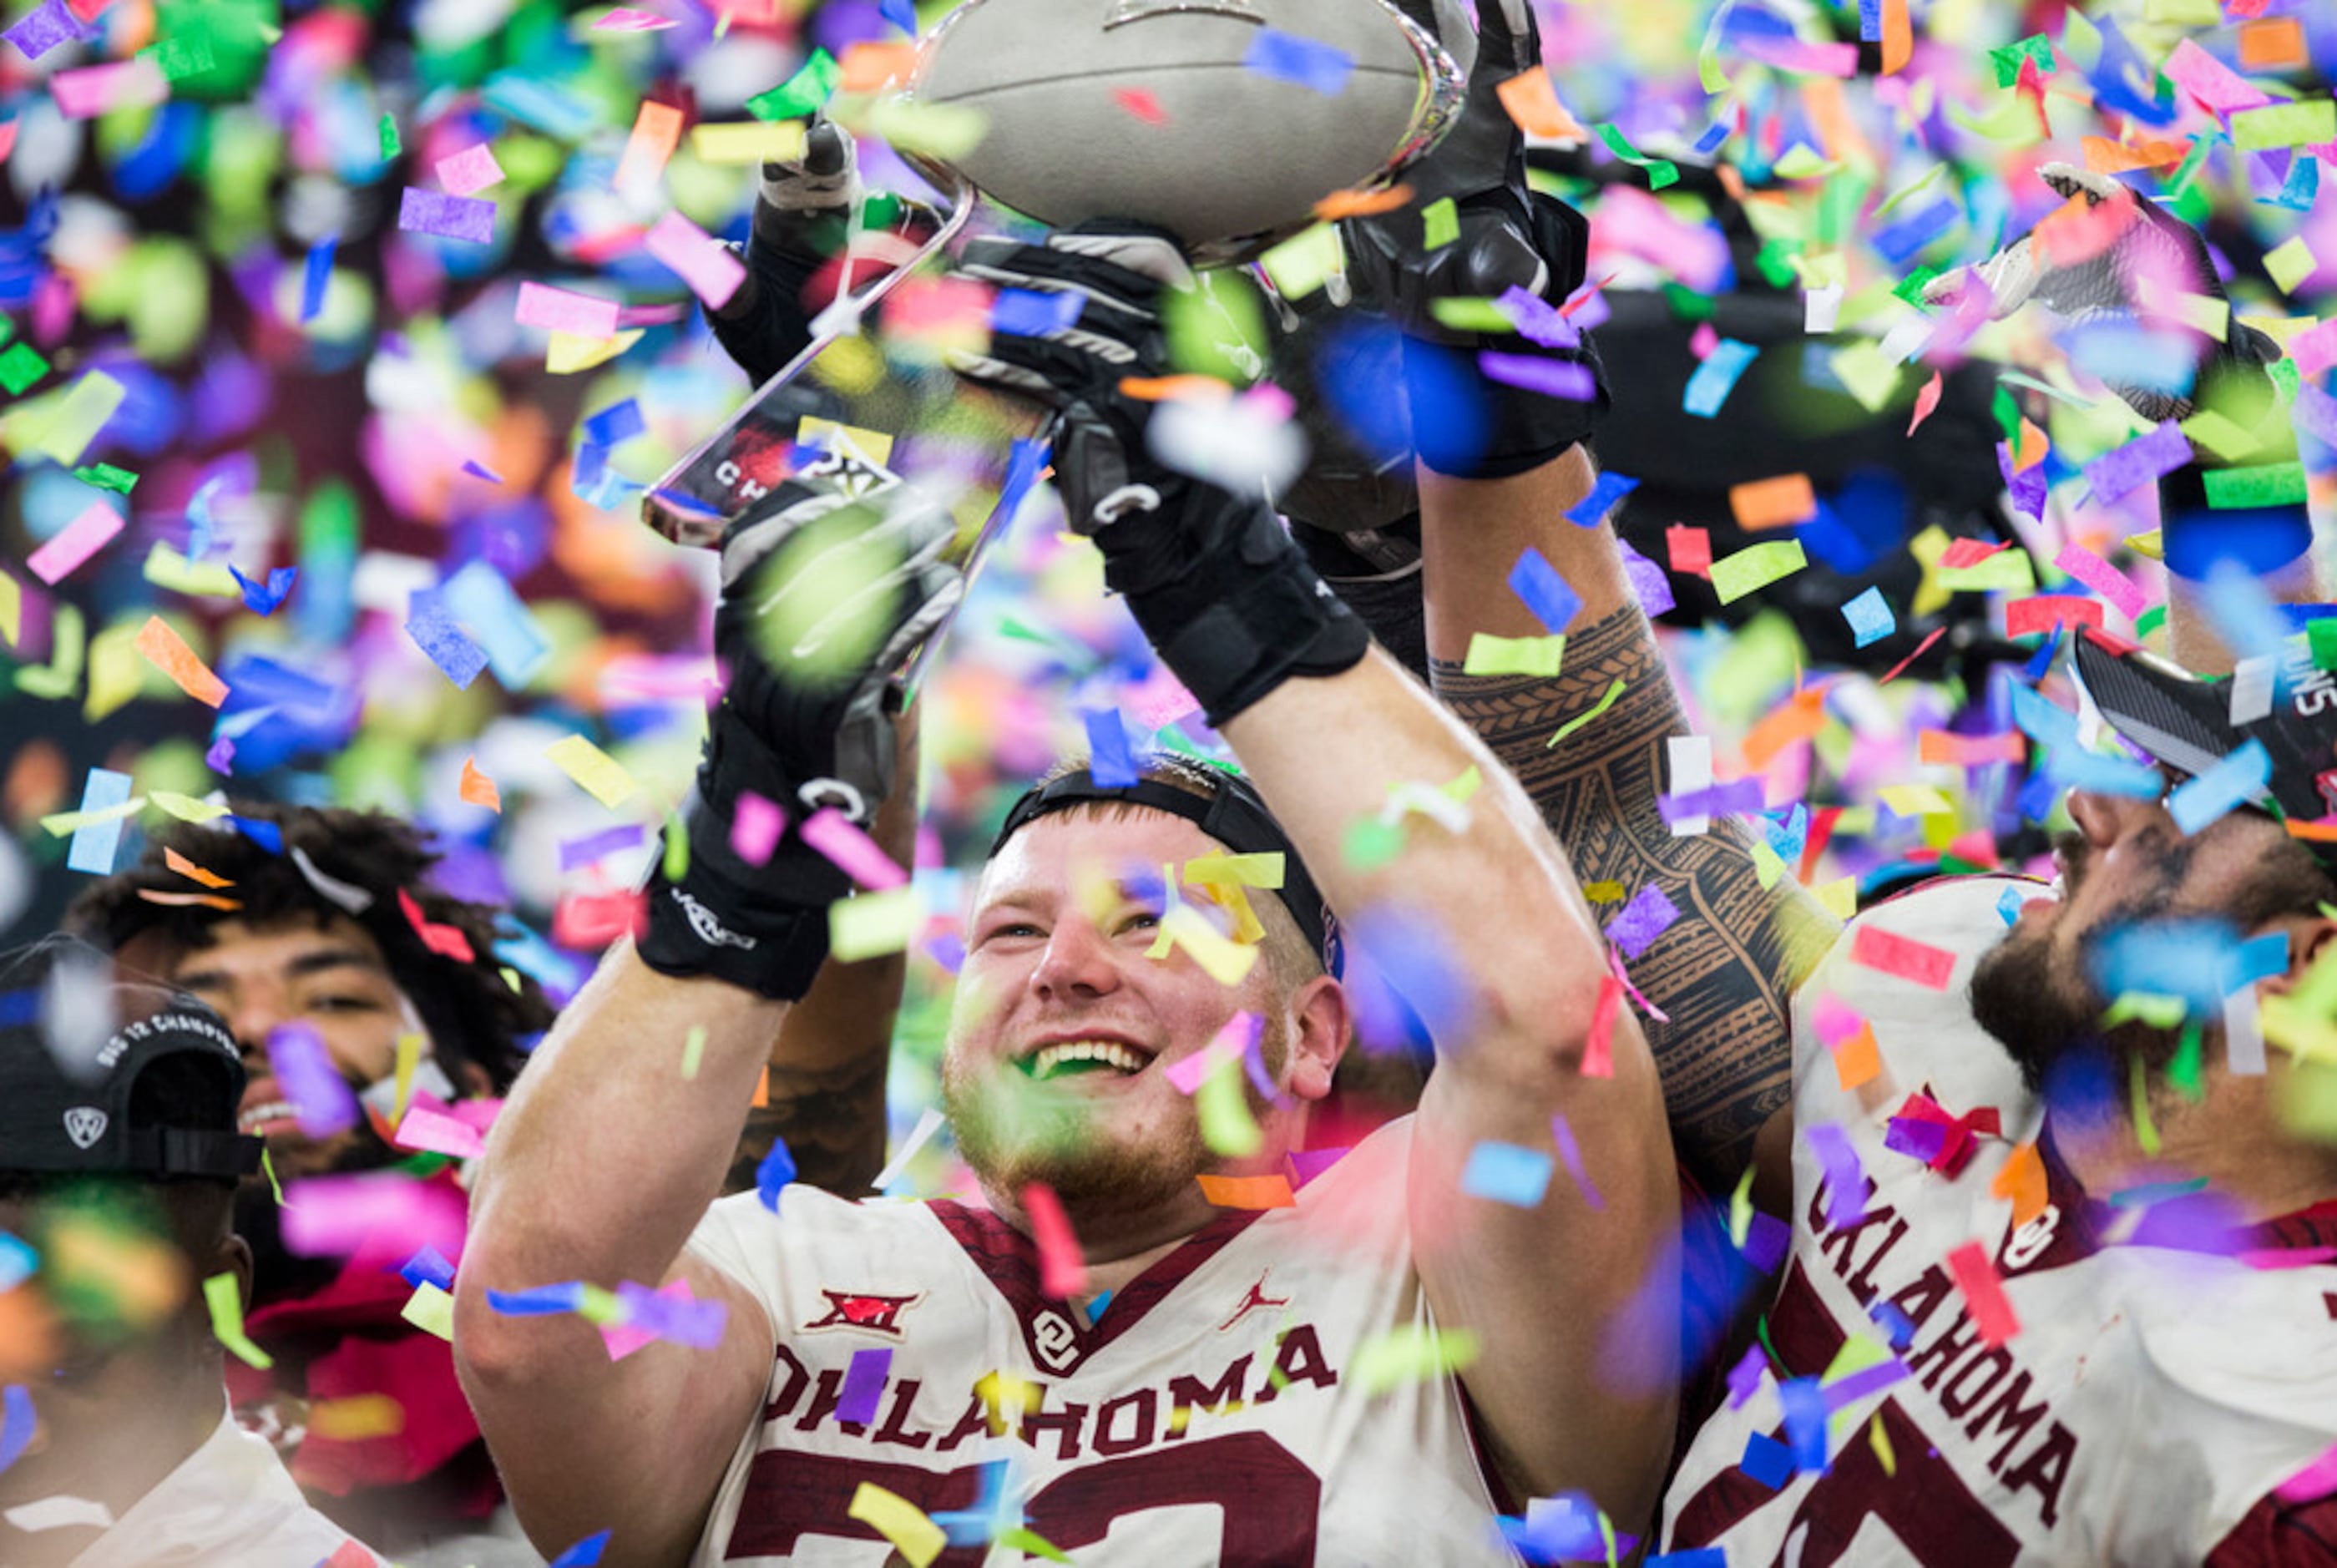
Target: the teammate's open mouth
pixel 1072 1057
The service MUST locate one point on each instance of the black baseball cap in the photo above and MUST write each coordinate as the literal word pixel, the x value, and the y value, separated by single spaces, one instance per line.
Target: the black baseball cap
pixel 2185 722
pixel 55 1119
pixel 1235 815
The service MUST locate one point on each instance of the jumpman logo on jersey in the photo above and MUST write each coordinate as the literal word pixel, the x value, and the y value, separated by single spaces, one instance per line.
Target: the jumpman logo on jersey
pixel 1256 1298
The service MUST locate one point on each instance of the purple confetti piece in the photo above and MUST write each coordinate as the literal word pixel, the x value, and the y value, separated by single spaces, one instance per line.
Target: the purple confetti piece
pixel 1896 1326
pixel 1638 924
pixel 458 658
pixel 421 211
pixel 1549 595
pixel 1570 1154
pixel 1564 379
pixel 1034 312
pixel 478 469
pixel 17 1423
pixel 2027 485
pixel 948 951
pixel 1650 585
pixel 864 1385
pixel 220 758
pixel 2139 461
pixel 684 1321
pixel 1852 1386
pixel 427 1267
pixel 1307 1164
pixel 1911 1135
pixel 1110 763
pixel 44 29
pixel 322 1102
pixel 1738 796
pixel 576 852
pixel 1537 320
pixel 1845 1177
pixel 1744 1377
pixel 2315 411
pixel 1766 1241
pixel 1288 57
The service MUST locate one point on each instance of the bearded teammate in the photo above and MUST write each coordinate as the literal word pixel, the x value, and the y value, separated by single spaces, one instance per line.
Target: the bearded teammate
pixel 1163 1372
pixel 2010 1329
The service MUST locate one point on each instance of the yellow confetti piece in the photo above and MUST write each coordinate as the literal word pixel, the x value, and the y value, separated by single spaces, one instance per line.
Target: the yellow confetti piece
pixel 873 445
pixel 62 824
pixel 186 808
pixel 1579 720
pixel 1915 799
pixel 115 671
pixel 2007 571
pixel 1603 892
pixel 61 425
pixel 1227 1125
pixel 1222 958
pixel 409 1057
pixel 1870 376
pixel 2197 311
pixel 1410 1354
pixel 1492 655
pixel 1880 1441
pixel 2150 546
pixel 871 924
pixel 1305 261
pixel 357 1418
pixel 749 141
pixel 1757 566
pixel 2219 435
pixel 945 130
pixel 1265 869
pixel 1839 899
pixel 223 1293
pixel 12 610
pixel 166 569
pixel 596 772
pixel 1767 866
pixel 431 1310
pixel 574 351
pixel 2291 262
pixel 903 1523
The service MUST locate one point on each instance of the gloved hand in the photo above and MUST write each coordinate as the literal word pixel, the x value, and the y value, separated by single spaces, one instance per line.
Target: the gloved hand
pixel 1466 421
pixel 803 216
pixel 823 599
pixel 1226 598
pixel 2101 275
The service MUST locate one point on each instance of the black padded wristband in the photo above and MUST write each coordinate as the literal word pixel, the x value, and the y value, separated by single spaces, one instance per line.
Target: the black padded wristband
pixel 762 927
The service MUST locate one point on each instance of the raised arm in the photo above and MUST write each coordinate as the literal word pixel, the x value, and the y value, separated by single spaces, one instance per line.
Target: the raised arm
pixel 1571 1304
pixel 618 1135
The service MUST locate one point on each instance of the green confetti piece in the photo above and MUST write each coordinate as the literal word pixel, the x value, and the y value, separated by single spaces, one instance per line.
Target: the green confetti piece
pixel 2188 170
pixel 871 924
pixel 1469 315
pixel 390 145
pixel 2160 1011
pixel 1492 655
pixel 2320 636
pixel 677 852
pixel 2151 620
pixel 1227 1125
pixel 1305 261
pixel 2006 572
pixel 1440 223
pixel 693 1051
pixel 1571 725
pixel 2146 1131
pixel 2264 485
pixel 2285 376
pixel 223 1294
pixel 2007 60
pixel 1371 844
pixel 106 476
pixel 1688 304
pixel 1660 172
pixel 1757 566
pixel 1412 1354
pixel 2308 120
pixel 2008 413
pixel 2184 1071
pixel 596 1305
pixel 268 1169
pixel 189 55
pixel 800 94
pixel 1019 1539
pixel 1775 262
pixel 1910 289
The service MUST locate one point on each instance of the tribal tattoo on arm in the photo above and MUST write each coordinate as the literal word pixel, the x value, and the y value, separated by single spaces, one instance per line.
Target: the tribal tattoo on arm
pixel 832 1120
pixel 1725 972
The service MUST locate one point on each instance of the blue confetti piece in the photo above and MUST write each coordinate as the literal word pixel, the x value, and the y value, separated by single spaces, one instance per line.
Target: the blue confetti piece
pixel 1109 762
pixel 2238 779
pixel 2008 905
pixel 427 1267
pixel 1714 135
pixel 1036 312
pixel 1714 380
pixel 1870 21
pixel 266 835
pixel 1288 57
pixel 458 658
pixel 480 598
pixel 94 846
pixel 2042 720
pixel 1507 1174
pixel 1869 617
pixel 1899 241
pixel 1804 1404
pixel 2192 958
pixel 1701 1557
pixel 541 1301
pixel 1592 509
pixel 1896 1326
pixel 1767 1460
pixel 262 598
pixel 317 274
pixel 584 1554
pixel 901 14
pixel 1549 595
pixel 2257 958
pixel 777 1169
pixel 17 1424
pixel 1096 1307
pixel 1789 836
pixel 615 424
pixel 2042 659
pixel 18 1262
pixel 201 524
pixel 19 1008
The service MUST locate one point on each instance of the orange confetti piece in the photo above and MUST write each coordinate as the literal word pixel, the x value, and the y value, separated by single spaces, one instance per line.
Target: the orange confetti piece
pixel 2022 1180
pixel 479 789
pixel 1800 718
pixel 1341 204
pixel 2319 832
pixel 1249 1192
pixel 358 1416
pixel 2275 44
pixel 1176 388
pixel 2104 156
pixel 1533 107
pixel 188 868
pixel 1926 401
pixel 1898 37
pixel 1830 116
pixel 2031 449
pixel 1859 1059
pixel 1775 503
pixel 762 1089
pixel 1950 749
pixel 190 900
pixel 168 651
pixel 868 65
pixel 657 131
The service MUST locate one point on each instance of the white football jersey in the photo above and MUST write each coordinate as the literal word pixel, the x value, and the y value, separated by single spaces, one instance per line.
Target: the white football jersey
pixel 1209 1414
pixel 2147 1403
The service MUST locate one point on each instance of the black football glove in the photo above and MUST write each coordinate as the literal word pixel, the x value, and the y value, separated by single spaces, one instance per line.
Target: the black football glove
pixel 824 597
pixel 1228 601
pixel 1466 422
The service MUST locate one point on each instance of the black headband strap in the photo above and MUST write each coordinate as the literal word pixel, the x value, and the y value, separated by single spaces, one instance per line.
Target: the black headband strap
pixel 1232 814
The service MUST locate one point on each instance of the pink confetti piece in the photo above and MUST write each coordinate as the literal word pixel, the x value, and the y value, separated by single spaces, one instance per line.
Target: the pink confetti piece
pixel 850 851
pixel 94 89
pixel 1835 1020
pixel 384 1215
pixel 76 542
pixel 1062 1268
pixel 2316 350
pixel 713 273
pixel 1991 1310
pixel 473 169
pixel 2316 1480
pixel 1903 957
pixel 435 1134
pixel 560 311
pixel 625 19
pixel 756 825
pixel 1235 1040
pixel 2120 590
